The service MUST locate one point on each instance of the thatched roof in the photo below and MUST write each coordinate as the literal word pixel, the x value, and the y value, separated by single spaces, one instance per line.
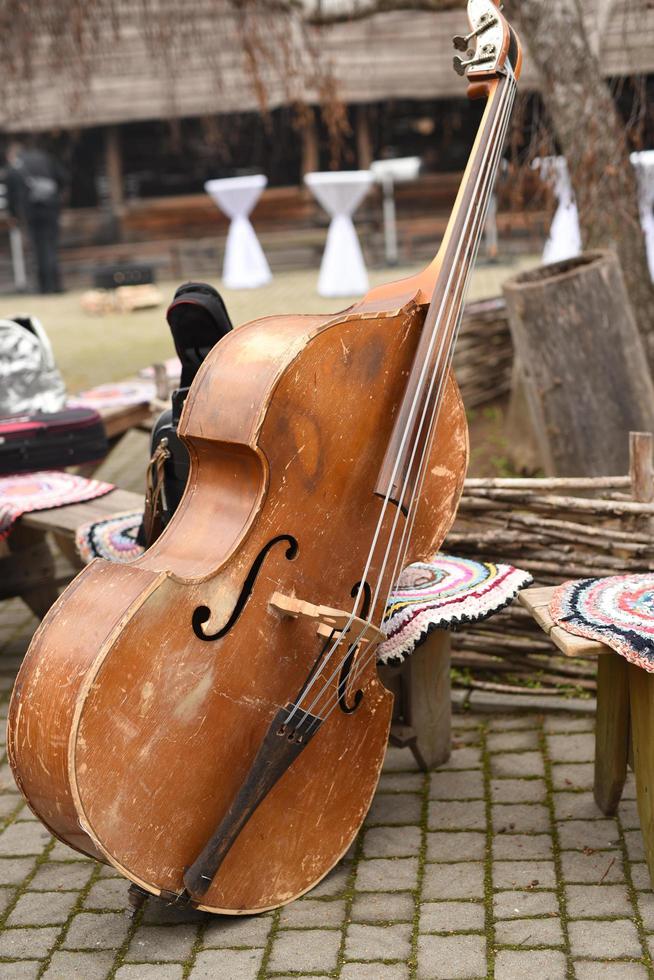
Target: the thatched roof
pixel 397 54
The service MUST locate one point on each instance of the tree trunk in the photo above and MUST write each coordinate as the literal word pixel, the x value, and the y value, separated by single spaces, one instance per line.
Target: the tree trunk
pixel 583 366
pixel 593 139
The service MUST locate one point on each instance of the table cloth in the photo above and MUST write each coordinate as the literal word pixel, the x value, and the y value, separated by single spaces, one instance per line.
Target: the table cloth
pixel 244 266
pixel 342 269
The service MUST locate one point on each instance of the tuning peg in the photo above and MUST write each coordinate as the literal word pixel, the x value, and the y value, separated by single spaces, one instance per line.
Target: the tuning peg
pixel 461 66
pixel 461 43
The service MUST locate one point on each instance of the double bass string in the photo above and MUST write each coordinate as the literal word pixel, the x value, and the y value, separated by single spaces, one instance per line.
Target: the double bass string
pixel 473 241
pixel 485 176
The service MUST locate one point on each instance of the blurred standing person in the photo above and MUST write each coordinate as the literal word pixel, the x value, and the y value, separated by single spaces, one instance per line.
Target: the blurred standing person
pixel 35 182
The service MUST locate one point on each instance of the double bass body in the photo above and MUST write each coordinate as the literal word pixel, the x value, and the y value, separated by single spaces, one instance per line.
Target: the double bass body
pixel 131 730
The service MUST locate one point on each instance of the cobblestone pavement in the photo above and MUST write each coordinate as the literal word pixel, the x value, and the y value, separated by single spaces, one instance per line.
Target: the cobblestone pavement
pixel 498 865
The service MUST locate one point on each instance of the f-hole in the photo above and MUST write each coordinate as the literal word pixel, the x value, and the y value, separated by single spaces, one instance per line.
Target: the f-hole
pixel 203 613
pixel 346 708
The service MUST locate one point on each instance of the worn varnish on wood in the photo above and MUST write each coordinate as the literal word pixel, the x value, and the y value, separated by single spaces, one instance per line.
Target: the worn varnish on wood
pixel 143 717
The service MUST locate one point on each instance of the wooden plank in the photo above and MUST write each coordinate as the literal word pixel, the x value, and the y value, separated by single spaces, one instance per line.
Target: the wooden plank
pixel 426 675
pixel 537 601
pixel 611 732
pixel 66 519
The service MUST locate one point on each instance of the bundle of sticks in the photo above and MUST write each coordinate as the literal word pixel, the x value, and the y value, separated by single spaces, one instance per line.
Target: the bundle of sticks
pixel 557 529
pixel 483 357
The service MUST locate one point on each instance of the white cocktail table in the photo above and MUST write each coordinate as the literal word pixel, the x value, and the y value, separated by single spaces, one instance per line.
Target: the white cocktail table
pixel 388 173
pixel 342 269
pixel 564 241
pixel 244 266
pixel 644 164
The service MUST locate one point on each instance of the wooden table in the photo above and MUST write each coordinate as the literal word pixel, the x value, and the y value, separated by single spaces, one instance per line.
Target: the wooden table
pixel 624 721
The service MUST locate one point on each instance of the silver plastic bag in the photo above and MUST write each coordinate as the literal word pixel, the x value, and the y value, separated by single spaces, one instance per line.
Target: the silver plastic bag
pixel 29 379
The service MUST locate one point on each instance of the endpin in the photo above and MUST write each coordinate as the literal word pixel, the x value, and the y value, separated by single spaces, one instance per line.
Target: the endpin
pixel 486 54
pixel 486 21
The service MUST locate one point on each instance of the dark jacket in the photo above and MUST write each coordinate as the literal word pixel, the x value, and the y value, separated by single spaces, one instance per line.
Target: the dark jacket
pixel 34 184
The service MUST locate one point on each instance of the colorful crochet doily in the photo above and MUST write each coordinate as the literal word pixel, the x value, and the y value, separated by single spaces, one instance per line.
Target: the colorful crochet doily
pixel 113 538
pixel 617 611
pixel 117 395
pixel 441 594
pixel 26 492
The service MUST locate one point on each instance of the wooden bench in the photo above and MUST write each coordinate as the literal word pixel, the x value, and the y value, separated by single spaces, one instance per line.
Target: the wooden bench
pixel 624 726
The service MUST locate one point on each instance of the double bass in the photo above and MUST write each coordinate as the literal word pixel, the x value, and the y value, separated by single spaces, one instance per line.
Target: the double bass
pixel 208 719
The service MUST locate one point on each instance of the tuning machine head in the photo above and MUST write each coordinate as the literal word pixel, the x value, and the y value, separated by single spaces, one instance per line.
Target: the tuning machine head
pixel 490 31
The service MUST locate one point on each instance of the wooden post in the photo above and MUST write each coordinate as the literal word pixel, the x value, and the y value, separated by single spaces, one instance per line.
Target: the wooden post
pixel 641 696
pixel 114 169
pixel 364 139
pixel 611 731
pixel 427 694
pixel 310 148
pixel 641 469
pixel 584 365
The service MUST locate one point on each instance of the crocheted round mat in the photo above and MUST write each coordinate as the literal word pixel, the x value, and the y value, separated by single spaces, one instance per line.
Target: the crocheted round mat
pixel 113 538
pixel 26 492
pixel 617 611
pixel 441 594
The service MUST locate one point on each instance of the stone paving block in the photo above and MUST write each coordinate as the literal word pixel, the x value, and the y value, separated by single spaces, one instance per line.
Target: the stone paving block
pixel 373 971
pixel 25 944
pixel 227 964
pixel 466 757
pixel 383 907
pixel 576 806
pixel 573 775
pixel 61 852
pixel 520 818
pixel 450 846
pixel 6 896
pixel 334 883
pixel 466 736
pixel 401 782
pixel 523 874
pixel 7 781
pixel 513 741
pixel 310 912
pixel 595 970
pixel 567 723
pixel 629 791
pixel 150 971
pixel 229 931
pixel 545 964
pixel 575 835
pixel 165 943
pixel 529 932
pixel 392 841
pixel 593 868
pixel 457 815
pixel 517 764
pixel 91 930
pixel 635 847
pixel 85 966
pixel 646 909
pixel 23 839
pixel 513 847
pixel 42 908
pixel 8 804
pixel 517 790
pixel 387 942
pixel 628 814
pixel 571 748
pixel 159 913
pixel 106 870
pixel 596 901
pixel 524 904
pixel 60 876
pixel 465 784
pixel 109 894
pixel 395 808
pixel 604 940
pixel 640 876
pixel 451 957
pixel 399 760
pixel 451 916
pixel 512 723
pixel 465 880
pixel 313 950
pixel 386 874
pixel 23 970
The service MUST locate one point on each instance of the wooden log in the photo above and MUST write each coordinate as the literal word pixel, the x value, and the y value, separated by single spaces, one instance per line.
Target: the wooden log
pixel 641 698
pixel 584 367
